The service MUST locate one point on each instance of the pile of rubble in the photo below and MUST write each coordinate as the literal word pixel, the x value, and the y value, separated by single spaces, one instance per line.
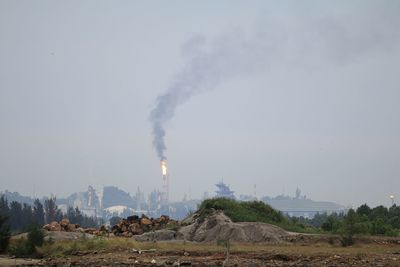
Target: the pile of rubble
pixel 135 225
pixel 65 226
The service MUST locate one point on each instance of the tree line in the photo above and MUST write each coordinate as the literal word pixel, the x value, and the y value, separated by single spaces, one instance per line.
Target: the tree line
pixel 379 220
pixel 19 217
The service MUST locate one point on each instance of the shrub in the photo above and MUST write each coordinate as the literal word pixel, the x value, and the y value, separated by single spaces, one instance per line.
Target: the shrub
pixel 395 222
pixel 331 224
pixel 21 248
pixel 27 247
pixel 379 227
pixel 348 228
pixel 362 227
pixel 35 236
pixel 346 240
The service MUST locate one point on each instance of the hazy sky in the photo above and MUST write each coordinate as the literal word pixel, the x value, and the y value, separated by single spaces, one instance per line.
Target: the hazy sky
pixel 281 94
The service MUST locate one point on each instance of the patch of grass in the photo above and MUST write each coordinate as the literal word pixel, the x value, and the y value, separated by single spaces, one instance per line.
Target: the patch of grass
pixel 71 247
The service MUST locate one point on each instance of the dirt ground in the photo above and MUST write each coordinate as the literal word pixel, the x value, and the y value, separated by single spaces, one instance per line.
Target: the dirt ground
pixel 274 257
pixel 304 251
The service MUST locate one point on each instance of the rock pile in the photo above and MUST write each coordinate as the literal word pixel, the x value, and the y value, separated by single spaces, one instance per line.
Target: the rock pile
pixel 64 225
pixel 135 225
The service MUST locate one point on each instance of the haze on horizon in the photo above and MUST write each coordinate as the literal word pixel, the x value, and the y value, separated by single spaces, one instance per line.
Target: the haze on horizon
pixel 309 100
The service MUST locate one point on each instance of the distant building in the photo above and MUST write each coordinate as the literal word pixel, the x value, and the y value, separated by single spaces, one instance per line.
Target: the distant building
pixel 224 191
pixel 301 206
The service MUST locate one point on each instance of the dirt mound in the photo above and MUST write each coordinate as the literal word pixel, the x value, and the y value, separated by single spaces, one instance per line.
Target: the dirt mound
pixel 56 236
pixel 159 235
pixel 217 226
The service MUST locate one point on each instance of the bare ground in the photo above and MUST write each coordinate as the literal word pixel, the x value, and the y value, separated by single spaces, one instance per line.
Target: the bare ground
pixel 304 251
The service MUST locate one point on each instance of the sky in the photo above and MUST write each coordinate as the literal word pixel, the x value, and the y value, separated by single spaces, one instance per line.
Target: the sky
pixel 277 94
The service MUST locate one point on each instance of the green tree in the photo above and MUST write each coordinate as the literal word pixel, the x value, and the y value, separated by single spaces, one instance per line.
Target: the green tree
pixel 50 209
pixel 331 224
pixel 16 218
pixel 35 236
pixel 394 216
pixel 4 224
pixel 4 208
pixel 319 219
pixel 380 227
pixel 27 216
pixel 38 212
pixel 71 215
pixel 349 228
pixel 4 233
pixel 27 247
pixel 395 222
pixel 364 210
pixel 379 212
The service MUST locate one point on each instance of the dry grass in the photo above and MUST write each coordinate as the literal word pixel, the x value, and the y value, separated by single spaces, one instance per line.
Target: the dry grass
pixel 69 247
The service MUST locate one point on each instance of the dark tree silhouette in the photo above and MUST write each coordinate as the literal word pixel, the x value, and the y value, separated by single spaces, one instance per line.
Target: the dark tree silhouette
pixel 38 213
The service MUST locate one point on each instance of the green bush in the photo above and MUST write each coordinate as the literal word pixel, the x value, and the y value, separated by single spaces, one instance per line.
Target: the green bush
pixel 27 247
pixel 377 227
pixel 362 227
pixel 331 224
pixel 380 227
pixel 346 240
pixel 35 236
pixel 22 248
pixel 395 222
pixel 348 229
pixel 254 211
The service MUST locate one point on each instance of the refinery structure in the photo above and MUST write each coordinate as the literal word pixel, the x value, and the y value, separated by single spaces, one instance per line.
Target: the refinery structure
pixel 111 201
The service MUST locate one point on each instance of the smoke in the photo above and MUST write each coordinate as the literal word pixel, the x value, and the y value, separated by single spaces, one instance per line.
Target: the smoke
pixel 290 41
pixel 206 66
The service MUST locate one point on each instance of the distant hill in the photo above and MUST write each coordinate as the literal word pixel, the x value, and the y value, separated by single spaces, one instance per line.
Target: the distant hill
pixel 15 196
